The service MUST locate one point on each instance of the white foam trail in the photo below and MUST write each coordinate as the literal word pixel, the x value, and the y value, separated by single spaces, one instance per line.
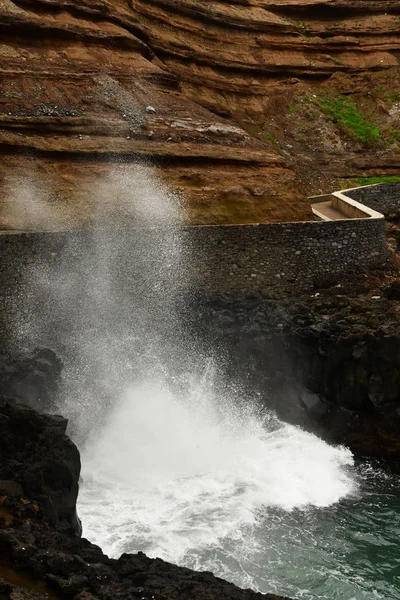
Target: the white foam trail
pixel 171 476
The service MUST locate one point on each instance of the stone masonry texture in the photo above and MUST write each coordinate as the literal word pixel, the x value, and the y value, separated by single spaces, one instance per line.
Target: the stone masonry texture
pixel 275 258
pixel 384 198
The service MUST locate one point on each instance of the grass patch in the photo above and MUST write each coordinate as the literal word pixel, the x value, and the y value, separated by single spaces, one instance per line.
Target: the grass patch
pixel 392 97
pixel 298 24
pixel 270 138
pixel 344 112
pixel 372 180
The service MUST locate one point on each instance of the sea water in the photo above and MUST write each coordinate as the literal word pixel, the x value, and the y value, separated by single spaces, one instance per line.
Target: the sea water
pixel 208 484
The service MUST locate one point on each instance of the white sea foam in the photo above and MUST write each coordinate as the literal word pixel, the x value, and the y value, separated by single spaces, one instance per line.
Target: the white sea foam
pixel 174 474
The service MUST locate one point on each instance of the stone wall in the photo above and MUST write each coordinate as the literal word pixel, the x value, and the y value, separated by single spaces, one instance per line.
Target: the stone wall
pixel 287 257
pixel 276 258
pixel 385 197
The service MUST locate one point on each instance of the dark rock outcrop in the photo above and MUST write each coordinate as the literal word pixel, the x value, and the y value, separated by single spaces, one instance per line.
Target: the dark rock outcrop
pixel 41 555
pixel 31 378
pixel 392 291
pixel 329 361
pixel 40 463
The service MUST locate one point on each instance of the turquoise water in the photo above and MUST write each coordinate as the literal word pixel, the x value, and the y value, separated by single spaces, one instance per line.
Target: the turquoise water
pixel 348 551
pixel 254 500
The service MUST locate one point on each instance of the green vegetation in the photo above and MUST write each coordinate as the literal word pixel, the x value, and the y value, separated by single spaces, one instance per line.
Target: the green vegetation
pixel 344 112
pixel 270 138
pixel 393 136
pixel 387 94
pixel 392 97
pixel 360 181
pixel 298 24
pixel 357 118
pixel 371 180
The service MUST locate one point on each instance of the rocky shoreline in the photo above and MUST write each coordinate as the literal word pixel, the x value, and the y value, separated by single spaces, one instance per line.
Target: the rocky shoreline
pixel 42 555
pixel 327 361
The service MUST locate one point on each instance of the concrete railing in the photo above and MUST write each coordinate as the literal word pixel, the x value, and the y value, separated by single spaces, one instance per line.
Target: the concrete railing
pixel 340 206
pixel 382 197
pixel 351 208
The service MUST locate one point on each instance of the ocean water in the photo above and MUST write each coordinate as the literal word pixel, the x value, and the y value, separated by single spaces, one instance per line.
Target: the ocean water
pixel 206 483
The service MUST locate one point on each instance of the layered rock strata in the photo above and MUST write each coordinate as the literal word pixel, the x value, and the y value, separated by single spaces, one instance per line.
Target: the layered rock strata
pixel 84 97
pixel 230 55
pixel 269 64
pixel 87 85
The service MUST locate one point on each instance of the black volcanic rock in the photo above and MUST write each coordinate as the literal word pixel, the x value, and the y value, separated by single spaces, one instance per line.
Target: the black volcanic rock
pixel 31 378
pixel 38 458
pixel 40 552
pixel 328 361
pixel 392 291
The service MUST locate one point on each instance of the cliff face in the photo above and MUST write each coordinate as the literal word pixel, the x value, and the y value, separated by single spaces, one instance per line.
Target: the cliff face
pixel 318 80
pixel 229 55
pixel 305 85
pixel 84 96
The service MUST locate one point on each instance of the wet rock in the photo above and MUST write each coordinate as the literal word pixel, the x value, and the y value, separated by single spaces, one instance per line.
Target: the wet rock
pixel 313 403
pixel 11 488
pixel 33 378
pixel 37 456
pixel 342 350
pixel 39 530
pixel 71 586
pixel 392 291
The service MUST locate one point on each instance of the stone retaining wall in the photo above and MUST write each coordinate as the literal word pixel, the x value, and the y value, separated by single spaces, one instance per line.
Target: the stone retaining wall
pixel 276 258
pixel 287 257
pixel 383 197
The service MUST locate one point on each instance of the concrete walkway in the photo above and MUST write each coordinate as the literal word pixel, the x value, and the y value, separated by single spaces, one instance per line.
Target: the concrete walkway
pixel 326 212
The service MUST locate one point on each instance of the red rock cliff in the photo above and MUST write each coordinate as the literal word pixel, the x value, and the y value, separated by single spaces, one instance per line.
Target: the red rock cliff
pixel 226 98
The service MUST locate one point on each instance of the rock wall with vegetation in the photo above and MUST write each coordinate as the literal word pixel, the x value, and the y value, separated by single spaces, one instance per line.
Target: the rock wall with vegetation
pixel 236 102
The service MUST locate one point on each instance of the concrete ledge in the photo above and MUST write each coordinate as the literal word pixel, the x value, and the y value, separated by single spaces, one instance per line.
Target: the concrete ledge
pixel 340 206
pixel 381 197
pixel 353 209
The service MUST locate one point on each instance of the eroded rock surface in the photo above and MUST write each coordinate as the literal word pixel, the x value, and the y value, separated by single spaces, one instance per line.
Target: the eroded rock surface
pixel 272 64
pixel 39 465
pixel 327 361
pixel 85 96
pixel 32 379
pixel 225 97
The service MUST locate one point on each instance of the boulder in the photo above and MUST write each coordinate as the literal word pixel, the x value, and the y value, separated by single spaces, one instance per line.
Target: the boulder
pixel 31 378
pixel 40 463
